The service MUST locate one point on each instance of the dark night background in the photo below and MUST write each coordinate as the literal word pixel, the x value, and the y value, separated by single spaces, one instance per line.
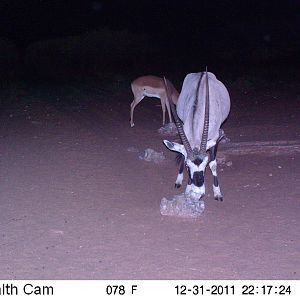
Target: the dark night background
pixel 78 201
pixel 134 37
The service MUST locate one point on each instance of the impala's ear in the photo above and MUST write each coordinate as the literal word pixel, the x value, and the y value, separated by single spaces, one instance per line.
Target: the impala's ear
pixel 175 147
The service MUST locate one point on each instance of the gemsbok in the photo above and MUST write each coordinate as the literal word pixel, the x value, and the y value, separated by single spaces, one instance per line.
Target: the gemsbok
pixel 202 107
pixel 152 86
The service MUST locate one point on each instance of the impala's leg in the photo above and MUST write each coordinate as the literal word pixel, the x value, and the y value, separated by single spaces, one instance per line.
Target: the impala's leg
pixel 169 111
pixel 180 160
pixel 163 107
pixel 213 167
pixel 132 106
pixel 134 103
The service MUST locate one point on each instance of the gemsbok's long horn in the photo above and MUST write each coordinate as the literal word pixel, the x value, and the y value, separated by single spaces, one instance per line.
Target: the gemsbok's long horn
pixel 206 120
pixel 178 124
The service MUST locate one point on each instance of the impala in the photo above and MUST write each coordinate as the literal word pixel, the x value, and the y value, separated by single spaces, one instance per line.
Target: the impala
pixel 202 107
pixel 152 86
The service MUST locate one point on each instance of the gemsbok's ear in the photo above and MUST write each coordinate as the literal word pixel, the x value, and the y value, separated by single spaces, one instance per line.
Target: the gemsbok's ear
pixel 175 147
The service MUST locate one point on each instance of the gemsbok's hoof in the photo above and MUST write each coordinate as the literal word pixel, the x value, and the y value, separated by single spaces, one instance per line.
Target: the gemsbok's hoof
pixel 219 198
pixel 177 185
pixel 132 125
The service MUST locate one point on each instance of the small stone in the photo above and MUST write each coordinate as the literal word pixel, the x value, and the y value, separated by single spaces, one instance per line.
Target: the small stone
pixel 132 149
pixel 229 163
pixel 168 129
pixel 151 155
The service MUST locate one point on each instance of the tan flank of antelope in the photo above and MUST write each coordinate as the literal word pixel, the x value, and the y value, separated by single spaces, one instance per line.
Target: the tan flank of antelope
pixel 153 86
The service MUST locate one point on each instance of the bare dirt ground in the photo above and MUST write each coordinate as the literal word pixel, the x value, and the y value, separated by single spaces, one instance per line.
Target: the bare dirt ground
pixel 76 204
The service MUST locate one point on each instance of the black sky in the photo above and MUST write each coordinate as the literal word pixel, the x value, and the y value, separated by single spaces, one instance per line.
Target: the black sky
pixel 238 21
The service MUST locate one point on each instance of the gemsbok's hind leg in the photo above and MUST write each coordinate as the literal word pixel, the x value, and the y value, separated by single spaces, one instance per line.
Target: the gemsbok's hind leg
pixel 213 167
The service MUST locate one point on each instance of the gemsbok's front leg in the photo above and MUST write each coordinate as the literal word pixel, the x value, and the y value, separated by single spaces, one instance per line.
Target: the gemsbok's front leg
pixel 213 167
pixel 179 179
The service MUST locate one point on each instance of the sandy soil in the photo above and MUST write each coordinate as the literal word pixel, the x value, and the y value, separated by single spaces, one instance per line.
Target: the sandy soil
pixel 76 204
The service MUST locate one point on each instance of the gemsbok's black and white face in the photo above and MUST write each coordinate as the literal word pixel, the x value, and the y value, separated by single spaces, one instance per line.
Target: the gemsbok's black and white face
pixel 202 107
pixel 195 167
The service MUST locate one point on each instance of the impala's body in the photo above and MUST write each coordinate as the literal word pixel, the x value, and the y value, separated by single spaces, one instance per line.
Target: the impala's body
pixel 152 86
pixel 202 107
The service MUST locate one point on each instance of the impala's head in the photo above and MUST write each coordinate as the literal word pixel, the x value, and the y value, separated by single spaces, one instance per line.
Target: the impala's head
pixel 196 159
